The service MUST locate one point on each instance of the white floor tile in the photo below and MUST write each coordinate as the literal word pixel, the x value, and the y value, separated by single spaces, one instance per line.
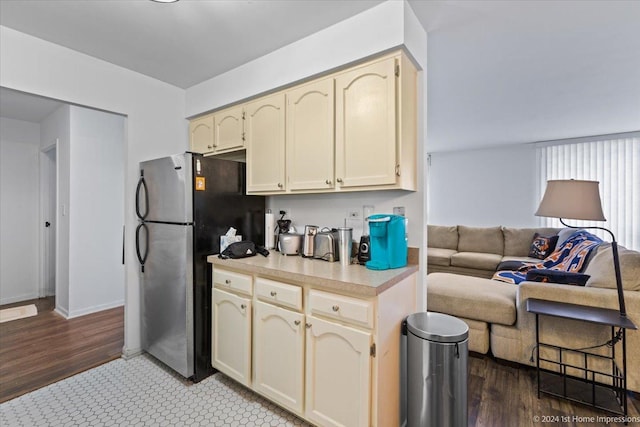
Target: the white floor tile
pixel 142 392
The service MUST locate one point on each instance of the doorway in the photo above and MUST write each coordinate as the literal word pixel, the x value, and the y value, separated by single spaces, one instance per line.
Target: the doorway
pixel 48 219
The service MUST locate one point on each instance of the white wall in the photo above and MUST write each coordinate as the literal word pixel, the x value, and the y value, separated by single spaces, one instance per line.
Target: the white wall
pixel 155 110
pixel 155 121
pixel 96 273
pixel 19 204
pixel 389 25
pixel 57 128
pixel 365 34
pixel 485 187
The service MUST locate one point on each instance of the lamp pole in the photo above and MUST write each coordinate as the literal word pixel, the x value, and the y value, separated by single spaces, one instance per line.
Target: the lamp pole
pixel 616 263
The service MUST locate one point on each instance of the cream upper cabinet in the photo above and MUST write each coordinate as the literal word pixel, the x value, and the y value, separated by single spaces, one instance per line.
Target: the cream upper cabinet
pixel 353 130
pixel 229 129
pixel 231 336
pixel 310 141
pixel 265 134
pixel 278 354
pixel 366 125
pixel 338 374
pixel 201 134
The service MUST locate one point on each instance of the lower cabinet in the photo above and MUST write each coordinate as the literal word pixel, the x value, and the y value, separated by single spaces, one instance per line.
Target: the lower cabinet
pixel 311 351
pixel 338 374
pixel 278 354
pixel 231 344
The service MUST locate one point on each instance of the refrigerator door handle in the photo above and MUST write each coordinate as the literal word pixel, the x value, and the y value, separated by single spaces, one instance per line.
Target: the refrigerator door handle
pixel 141 258
pixel 142 183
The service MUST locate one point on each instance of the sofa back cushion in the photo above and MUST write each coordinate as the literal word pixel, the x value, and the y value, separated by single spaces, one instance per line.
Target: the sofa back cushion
pixel 602 273
pixel 517 241
pixel 442 236
pixel 481 239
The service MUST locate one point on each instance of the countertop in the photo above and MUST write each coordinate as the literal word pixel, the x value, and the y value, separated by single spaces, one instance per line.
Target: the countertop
pixel 355 279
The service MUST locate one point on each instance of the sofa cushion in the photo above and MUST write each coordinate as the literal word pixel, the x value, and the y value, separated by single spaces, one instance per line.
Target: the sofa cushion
pixel 601 270
pixel 483 261
pixel 542 246
pixel 563 235
pixel 442 236
pixel 439 256
pixel 481 239
pixel 517 241
pixel 559 277
pixel 520 258
pixel 472 298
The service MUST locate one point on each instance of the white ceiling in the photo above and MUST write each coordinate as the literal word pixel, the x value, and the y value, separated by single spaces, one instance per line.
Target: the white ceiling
pixel 499 72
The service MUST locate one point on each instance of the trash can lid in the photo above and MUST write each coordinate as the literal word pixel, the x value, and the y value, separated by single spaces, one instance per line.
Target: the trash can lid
pixel 437 327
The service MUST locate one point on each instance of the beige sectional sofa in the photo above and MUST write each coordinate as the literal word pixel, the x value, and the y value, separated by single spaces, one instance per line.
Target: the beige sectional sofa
pixel 496 311
pixel 477 251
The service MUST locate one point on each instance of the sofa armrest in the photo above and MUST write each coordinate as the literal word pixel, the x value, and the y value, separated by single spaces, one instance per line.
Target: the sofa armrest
pixel 590 296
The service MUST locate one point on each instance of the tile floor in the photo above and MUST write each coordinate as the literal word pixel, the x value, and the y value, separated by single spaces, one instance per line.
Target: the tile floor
pixel 142 392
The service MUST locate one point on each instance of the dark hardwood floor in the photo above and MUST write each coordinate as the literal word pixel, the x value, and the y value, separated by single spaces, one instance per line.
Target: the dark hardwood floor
pixel 505 394
pixel 40 350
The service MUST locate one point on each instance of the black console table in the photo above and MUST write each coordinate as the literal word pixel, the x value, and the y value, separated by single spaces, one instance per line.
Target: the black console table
pixel 610 396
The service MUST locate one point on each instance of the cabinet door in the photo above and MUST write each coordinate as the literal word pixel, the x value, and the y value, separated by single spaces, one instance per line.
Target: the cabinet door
pixel 338 374
pixel 278 355
pixel 231 336
pixel 366 125
pixel 229 129
pixel 265 132
pixel 310 141
pixel 201 135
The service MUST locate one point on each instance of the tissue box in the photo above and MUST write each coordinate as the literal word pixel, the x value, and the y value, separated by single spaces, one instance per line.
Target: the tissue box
pixel 227 240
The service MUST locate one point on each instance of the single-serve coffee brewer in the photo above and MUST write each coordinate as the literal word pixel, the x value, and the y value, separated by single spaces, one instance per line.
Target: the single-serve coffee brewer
pixel 388 244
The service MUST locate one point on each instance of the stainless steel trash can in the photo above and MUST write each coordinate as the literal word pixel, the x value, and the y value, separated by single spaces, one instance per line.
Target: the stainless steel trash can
pixel 437 353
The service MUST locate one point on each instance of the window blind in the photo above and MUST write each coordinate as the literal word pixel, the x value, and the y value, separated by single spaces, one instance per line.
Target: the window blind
pixel 615 163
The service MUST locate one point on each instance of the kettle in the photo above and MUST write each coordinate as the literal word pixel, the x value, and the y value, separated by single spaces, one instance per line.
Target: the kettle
pixel 309 237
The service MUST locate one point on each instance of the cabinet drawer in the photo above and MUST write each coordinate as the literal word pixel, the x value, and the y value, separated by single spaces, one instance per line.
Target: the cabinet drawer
pixel 340 307
pixel 279 293
pixel 230 280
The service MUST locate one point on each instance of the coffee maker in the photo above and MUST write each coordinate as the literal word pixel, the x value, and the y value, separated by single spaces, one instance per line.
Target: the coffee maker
pixel 388 244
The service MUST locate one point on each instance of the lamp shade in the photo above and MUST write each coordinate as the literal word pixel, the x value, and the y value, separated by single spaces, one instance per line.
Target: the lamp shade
pixel 572 199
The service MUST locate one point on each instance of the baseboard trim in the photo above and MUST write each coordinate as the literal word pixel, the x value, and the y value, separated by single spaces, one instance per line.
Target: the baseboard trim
pixel 131 353
pixel 62 312
pixel 18 298
pixel 95 309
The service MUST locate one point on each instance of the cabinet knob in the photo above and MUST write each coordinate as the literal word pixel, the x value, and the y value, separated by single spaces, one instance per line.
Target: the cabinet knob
pixel 274 293
pixel 296 322
pixel 335 308
pixel 307 325
pixel 243 306
pixel 227 281
pixel 339 180
pixel 209 147
pixel 397 170
pixel 280 185
pixel 328 182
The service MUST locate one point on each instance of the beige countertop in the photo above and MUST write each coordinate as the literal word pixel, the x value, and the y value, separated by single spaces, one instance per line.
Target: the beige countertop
pixel 355 279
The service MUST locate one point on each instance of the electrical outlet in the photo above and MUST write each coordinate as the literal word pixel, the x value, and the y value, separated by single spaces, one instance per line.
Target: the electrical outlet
pixel 353 214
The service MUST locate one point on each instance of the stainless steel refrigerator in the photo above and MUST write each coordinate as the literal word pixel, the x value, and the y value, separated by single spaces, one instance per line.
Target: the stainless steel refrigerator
pixel 184 204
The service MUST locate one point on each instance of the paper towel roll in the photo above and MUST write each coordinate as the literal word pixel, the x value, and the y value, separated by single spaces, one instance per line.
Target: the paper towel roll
pixel 269 228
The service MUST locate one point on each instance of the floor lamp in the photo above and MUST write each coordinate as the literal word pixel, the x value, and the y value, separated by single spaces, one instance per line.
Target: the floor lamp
pixel 575 199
